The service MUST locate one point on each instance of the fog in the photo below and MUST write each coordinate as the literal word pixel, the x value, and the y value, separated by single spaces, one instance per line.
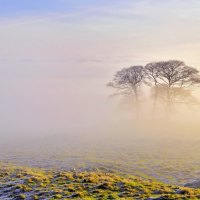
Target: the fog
pixel 58 115
pixel 66 102
pixel 69 98
pixel 54 64
pixel 56 110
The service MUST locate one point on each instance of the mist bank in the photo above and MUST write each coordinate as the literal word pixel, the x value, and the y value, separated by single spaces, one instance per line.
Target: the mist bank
pixel 170 155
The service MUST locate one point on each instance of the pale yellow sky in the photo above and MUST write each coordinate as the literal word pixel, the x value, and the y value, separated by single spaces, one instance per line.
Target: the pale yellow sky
pixel 136 31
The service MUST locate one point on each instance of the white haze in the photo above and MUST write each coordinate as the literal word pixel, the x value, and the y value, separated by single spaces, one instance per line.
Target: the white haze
pixel 55 108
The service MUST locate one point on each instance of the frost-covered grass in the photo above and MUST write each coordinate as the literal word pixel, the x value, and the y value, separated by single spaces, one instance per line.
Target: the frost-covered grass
pixel 30 183
pixel 175 162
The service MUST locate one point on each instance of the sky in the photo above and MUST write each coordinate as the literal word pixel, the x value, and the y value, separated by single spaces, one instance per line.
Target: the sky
pixel 57 55
pixel 99 31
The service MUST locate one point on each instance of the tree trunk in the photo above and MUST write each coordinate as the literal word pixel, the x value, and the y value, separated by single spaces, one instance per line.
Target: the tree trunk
pixel 137 106
pixel 155 102
pixel 169 103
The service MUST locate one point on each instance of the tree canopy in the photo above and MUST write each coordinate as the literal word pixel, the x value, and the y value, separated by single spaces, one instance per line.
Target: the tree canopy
pixel 170 82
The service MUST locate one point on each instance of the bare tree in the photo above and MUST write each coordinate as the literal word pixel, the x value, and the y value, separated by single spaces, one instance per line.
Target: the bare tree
pixel 169 79
pixel 175 73
pixel 128 81
pixel 171 73
pixel 152 73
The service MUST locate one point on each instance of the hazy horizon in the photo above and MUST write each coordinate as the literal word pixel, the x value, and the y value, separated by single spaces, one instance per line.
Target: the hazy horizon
pixel 57 56
pixel 62 64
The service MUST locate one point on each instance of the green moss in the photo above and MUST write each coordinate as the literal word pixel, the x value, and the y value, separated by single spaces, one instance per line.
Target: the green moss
pixel 87 185
pixel 35 197
pixel 22 196
pixel 58 196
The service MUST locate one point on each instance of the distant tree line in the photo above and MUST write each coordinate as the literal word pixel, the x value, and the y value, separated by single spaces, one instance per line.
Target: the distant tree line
pixel 170 82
